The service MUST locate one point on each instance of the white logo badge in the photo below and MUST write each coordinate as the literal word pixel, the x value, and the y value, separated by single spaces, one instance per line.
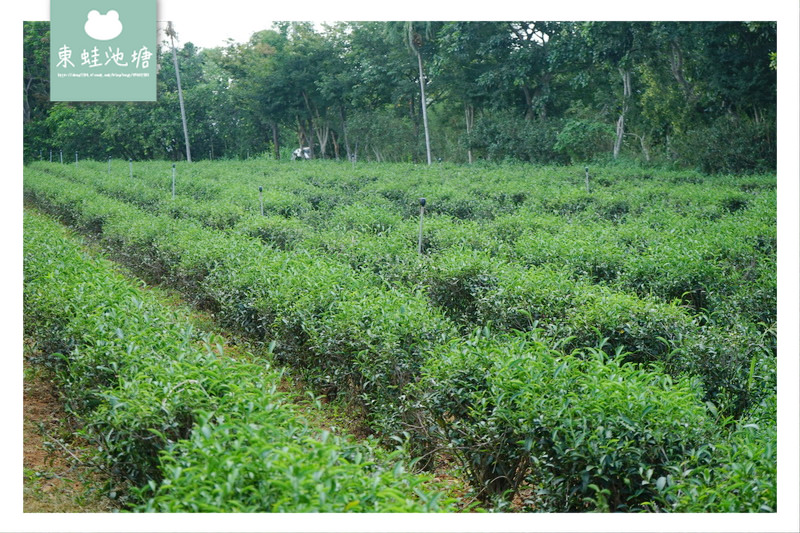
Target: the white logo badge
pixel 103 27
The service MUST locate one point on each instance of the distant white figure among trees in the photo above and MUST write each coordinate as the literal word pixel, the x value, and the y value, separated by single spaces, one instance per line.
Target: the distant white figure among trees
pixel 302 153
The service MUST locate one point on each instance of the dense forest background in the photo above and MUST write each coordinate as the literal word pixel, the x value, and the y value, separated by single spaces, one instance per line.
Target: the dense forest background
pixel 681 94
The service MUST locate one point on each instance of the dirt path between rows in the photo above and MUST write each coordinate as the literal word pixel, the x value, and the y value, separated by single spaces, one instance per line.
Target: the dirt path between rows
pixel 56 478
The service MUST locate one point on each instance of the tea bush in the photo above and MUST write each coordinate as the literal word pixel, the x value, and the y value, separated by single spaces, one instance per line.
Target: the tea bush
pixel 218 214
pixel 442 232
pixel 268 293
pixel 274 464
pixel 737 365
pixel 368 218
pixel 275 230
pixel 372 342
pixel 391 256
pixel 736 473
pixel 668 267
pixel 121 353
pixel 457 280
pixel 170 413
pixel 673 270
pixel 592 432
pixel 647 330
pixel 277 295
pixel 589 250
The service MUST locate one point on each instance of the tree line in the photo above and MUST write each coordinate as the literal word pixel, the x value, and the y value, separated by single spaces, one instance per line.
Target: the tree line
pixel 685 94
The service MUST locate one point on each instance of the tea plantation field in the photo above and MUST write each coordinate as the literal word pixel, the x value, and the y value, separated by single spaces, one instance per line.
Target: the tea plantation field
pixel 609 349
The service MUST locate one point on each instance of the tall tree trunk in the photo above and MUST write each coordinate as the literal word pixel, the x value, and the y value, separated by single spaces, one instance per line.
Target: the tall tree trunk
pixel 541 93
pixel 414 118
pixel 537 94
pixel 26 113
pixel 676 66
pixel 469 113
pixel 344 132
pixel 322 131
pixel 318 126
pixel 626 94
pixel 276 143
pixel 302 135
pixel 528 102
pixel 335 142
pixel 171 33
pixel 643 143
pixel 620 134
pixel 645 149
pixel 424 105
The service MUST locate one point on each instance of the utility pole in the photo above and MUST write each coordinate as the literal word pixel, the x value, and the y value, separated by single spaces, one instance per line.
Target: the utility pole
pixel 171 32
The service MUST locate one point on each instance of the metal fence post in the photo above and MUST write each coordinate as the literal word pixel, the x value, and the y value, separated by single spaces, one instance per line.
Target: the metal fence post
pixel 421 216
pixel 587 178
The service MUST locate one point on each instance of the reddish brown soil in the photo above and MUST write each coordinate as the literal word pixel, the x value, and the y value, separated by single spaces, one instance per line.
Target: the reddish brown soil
pixel 55 480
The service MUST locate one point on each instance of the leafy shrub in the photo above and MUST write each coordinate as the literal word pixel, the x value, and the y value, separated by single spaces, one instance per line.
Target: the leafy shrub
pixel 754 298
pixel 614 210
pixel 133 238
pixel 284 203
pixel 179 417
pixel 647 330
pixel 274 464
pixel 191 253
pixel 443 232
pixel 589 250
pixel 215 214
pixel 457 280
pixel 673 269
pixel 736 364
pixel 592 432
pixel 523 298
pixel 501 136
pixel 730 144
pixel 347 299
pixel 735 474
pixel 368 218
pixel 463 206
pixel 277 231
pixel 508 228
pixel 392 256
pixel 372 343
pixel 274 294
pixel 120 353
pixel 568 202
pixel 52 195
pixel 582 140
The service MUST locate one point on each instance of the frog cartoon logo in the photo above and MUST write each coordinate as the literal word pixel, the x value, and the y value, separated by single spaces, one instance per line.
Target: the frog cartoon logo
pixel 103 27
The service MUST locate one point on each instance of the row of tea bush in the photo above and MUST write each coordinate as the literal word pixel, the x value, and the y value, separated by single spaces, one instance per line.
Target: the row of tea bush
pixel 471 288
pixel 709 242
pixel 193 428
pixel 352 332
